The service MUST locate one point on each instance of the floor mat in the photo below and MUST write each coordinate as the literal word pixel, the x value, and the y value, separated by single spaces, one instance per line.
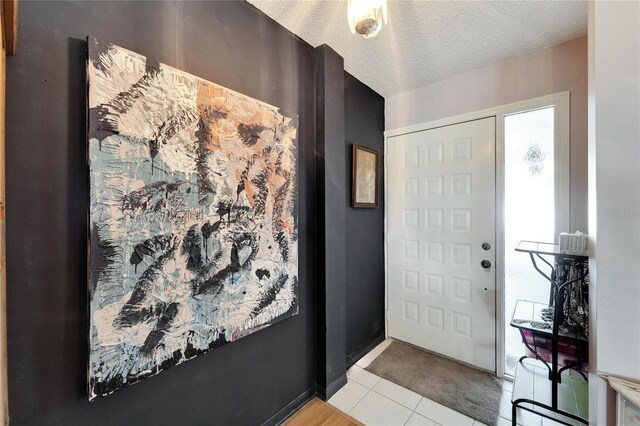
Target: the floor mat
pixel 474 393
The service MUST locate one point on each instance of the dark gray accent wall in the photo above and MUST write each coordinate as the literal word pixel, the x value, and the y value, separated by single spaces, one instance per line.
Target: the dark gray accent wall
pixel 262 377
pixel 364 123
pixel 331 190
pixel 229 43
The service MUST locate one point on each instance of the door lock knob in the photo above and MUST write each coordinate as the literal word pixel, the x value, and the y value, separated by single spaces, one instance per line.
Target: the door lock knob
pixel 485 264
pixel 486 246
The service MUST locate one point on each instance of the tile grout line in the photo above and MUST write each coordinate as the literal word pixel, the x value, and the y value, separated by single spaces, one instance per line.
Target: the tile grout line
pixel 402 405
pixel 415 412
pixel 397 402
pixel 412 411
pixel 371 389
pixel 575 395
pixel 386 397
pixel 361 398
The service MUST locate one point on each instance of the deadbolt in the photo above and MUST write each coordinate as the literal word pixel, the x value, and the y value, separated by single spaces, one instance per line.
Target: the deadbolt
pixel 485 264
pixel 486 246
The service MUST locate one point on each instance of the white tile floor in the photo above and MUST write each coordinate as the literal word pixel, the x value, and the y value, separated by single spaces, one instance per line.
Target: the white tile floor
pixel 377 402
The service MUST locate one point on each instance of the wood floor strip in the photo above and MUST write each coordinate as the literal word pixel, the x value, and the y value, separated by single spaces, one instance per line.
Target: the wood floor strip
pixel 318 413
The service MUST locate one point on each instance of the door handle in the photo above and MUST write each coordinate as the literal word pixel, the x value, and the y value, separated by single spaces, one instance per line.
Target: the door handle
pixel 485 264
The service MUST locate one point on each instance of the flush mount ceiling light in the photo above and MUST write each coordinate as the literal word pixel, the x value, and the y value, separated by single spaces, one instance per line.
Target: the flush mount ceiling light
pixel 366 17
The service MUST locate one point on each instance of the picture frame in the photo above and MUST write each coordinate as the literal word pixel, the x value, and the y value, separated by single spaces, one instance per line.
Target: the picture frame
pixel 365 191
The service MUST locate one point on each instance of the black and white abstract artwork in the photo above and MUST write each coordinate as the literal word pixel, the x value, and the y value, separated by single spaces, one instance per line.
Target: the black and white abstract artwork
pixel 193 239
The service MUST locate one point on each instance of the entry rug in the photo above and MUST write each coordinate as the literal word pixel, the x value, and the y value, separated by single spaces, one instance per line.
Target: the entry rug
pixel 474 393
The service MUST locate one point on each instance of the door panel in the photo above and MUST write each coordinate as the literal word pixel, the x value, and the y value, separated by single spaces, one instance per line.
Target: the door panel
pixel 441 210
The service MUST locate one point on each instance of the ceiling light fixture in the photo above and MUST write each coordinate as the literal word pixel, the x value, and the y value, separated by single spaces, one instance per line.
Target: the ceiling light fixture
pixel 366 17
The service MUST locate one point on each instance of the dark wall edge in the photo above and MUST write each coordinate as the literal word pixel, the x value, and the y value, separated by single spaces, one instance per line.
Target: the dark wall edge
pixel 67 133
pixel 332 389
pixel 330 224
pixel 48 372
pixel 352 359
pixel 364 124
pixel 291 408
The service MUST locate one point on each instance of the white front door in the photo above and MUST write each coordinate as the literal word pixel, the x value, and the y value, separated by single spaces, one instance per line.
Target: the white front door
pixel 441 227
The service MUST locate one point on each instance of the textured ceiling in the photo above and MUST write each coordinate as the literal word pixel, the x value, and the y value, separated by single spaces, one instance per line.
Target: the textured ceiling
pixel 428 41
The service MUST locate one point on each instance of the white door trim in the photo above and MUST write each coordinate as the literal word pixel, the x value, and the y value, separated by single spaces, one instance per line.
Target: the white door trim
pixel 561 101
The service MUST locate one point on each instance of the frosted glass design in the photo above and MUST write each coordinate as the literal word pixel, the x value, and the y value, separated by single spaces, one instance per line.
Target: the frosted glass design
pixel 529 212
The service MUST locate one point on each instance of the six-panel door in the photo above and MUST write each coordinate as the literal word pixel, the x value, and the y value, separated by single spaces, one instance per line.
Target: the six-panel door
pixel 441 227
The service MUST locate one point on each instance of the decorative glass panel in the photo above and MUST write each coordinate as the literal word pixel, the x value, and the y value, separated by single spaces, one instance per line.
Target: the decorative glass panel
pixel 529 212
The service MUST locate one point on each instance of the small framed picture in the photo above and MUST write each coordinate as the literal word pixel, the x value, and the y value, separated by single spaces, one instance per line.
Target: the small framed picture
pixel 366 171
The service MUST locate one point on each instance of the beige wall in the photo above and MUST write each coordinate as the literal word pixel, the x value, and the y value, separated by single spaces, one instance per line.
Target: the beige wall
pixel 543 72
pixel 614 207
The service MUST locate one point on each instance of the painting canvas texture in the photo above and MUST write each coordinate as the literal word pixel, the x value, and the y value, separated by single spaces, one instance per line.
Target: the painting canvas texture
pixel 365 177
pixel 193 238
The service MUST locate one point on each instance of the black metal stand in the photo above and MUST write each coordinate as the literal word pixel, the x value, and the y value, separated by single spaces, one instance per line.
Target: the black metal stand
pixel 556 300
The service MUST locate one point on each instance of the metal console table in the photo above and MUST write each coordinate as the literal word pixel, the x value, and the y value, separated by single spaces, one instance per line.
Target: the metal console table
pixel 540 390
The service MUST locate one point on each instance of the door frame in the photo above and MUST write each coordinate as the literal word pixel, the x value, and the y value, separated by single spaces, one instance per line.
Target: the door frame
pixel 561 102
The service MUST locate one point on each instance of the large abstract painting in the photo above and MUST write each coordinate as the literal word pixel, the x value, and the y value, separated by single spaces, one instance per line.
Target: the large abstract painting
pixel 193 222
